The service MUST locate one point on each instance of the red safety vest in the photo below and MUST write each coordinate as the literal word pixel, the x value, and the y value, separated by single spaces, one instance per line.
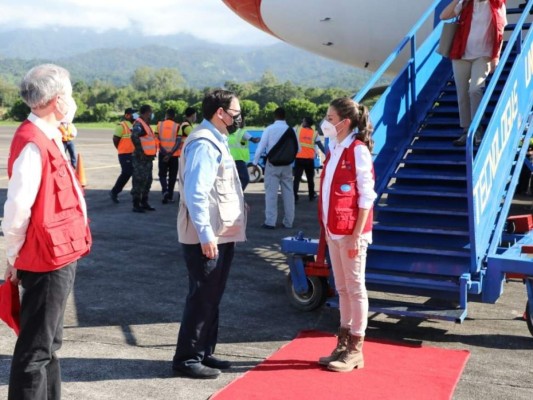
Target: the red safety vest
pixel 167 131
pixel 306 137
pixel 148 141
pixel 57 233
pixel 343 196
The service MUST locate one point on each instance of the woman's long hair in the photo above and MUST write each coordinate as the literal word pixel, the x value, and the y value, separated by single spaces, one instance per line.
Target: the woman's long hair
pixel 359 118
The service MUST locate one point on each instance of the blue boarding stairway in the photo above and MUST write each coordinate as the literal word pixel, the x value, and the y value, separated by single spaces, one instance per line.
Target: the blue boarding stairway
pixel 441 211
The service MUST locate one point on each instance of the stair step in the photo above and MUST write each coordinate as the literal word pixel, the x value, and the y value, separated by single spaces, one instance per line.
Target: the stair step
pixel 437 147
pixel 444 223
pixel 511 27
pixel 409 260
pixel 455 161
pixel 422 250
pixel 407 210
pixel 427 191
pixel 516 10
pixel 403 309
pixel 435 133
pixel 450 109
pixel 420 174
pixel 427 231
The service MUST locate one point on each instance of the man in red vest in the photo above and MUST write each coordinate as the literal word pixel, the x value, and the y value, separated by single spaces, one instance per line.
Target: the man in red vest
pixel 46 231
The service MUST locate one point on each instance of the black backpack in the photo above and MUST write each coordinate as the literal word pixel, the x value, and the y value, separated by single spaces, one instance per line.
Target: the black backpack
pixel 285 150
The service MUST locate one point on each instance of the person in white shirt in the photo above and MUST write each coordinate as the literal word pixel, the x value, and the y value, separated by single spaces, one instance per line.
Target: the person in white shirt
pixel 46 231
pixel 475 53
pixel 345 208
pixel 276 176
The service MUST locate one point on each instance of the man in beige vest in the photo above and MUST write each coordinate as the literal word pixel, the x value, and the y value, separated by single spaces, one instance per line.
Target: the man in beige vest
pixel 211 218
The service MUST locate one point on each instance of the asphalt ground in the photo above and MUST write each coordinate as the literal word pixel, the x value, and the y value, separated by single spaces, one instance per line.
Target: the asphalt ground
pixel 123 316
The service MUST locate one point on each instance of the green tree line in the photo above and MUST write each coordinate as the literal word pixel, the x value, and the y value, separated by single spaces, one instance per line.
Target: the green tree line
pixel 165 88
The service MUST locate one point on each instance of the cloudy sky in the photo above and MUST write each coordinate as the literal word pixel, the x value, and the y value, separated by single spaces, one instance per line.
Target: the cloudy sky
pixel 207 19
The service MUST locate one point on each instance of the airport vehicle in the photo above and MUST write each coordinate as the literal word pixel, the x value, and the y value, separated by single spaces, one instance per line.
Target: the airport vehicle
pixel 441 226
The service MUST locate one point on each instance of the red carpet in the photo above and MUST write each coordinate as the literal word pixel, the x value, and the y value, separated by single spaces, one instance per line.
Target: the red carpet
pixel 392 371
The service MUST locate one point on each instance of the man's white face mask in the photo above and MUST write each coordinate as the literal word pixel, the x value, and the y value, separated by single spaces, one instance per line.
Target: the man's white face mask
pixel 71 107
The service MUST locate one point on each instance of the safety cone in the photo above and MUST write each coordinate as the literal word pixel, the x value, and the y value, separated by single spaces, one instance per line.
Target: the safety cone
pixel 80 171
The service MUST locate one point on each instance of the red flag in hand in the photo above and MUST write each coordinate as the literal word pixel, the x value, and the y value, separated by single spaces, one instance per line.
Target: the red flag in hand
pixel 10 305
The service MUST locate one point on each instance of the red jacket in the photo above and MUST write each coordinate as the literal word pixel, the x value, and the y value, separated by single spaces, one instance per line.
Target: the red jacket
pixel 343 209
pixel 57 233
pixel 463 30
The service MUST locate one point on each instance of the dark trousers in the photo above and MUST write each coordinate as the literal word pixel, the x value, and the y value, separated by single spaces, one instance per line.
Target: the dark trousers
pixel 141 178
pixel 307 165
pixel 35 371
pixel 71 152
pixel 242 170
pixel 126 167
pixel 168 174
pixel 198 333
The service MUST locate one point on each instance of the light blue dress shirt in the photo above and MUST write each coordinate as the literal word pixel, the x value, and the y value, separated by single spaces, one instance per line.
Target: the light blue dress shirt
pixel 202 160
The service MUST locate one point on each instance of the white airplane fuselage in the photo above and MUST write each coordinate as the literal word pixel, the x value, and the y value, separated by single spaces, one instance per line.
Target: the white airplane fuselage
pixel 361 33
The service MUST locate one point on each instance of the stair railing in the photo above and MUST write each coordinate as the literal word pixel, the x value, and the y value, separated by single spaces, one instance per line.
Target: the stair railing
pixel 489 173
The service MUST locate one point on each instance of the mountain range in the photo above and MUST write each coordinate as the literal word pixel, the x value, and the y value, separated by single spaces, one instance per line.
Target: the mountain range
pixel 114 55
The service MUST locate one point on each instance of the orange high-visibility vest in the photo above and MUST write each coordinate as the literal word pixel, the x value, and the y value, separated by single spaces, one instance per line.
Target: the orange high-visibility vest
pixel 125 146
pixel 168 131
pixel 66 132
pixel 306 137
pixel 148 141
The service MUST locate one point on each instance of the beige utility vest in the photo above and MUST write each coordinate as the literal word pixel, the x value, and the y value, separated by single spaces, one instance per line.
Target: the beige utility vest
pixel 226 199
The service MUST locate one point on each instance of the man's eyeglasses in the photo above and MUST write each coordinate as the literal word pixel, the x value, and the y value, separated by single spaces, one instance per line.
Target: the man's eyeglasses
pixel 236 116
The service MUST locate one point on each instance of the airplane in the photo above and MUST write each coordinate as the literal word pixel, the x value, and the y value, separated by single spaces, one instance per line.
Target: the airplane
pixel 361 33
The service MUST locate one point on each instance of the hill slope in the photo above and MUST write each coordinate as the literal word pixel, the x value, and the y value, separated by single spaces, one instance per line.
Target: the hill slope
pixel 114 56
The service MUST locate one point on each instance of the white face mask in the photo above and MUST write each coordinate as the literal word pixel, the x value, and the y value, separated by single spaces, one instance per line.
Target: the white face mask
pixel 135 116
pixel 328 129
pixel 68 115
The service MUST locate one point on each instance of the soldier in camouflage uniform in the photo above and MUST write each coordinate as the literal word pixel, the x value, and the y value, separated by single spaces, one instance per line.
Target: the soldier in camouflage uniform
pixel 143 139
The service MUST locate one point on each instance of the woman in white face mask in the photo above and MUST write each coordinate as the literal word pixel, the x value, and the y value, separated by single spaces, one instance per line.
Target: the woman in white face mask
pixel 345 208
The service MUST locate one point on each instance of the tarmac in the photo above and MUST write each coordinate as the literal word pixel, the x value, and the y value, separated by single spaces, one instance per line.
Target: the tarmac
pixel 124 313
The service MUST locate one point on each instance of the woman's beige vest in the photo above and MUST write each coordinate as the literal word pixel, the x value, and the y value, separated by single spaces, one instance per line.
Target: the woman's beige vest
pixel 226 200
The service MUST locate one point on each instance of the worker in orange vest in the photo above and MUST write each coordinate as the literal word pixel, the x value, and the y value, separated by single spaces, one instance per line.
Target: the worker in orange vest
pixel 305 159
pixel 68 133
pixel 124 146
pixel 145 144
pixel 167 133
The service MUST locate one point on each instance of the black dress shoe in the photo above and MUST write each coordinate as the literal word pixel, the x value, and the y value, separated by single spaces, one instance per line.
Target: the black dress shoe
pixel 147 206
pixel 213 362
pixel 114 197
pixel 196 371
pixel 265 226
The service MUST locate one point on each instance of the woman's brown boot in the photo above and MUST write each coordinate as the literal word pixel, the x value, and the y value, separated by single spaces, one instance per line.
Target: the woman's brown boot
pixel 351 358
pixel 342 345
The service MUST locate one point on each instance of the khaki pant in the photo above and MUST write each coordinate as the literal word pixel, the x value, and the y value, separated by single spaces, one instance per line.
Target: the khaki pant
pixel 349 273
pixel 470 77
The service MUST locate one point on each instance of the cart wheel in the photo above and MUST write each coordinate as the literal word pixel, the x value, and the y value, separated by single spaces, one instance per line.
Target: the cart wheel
pixel 315 296
pixel 255 173
pixel 529 318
